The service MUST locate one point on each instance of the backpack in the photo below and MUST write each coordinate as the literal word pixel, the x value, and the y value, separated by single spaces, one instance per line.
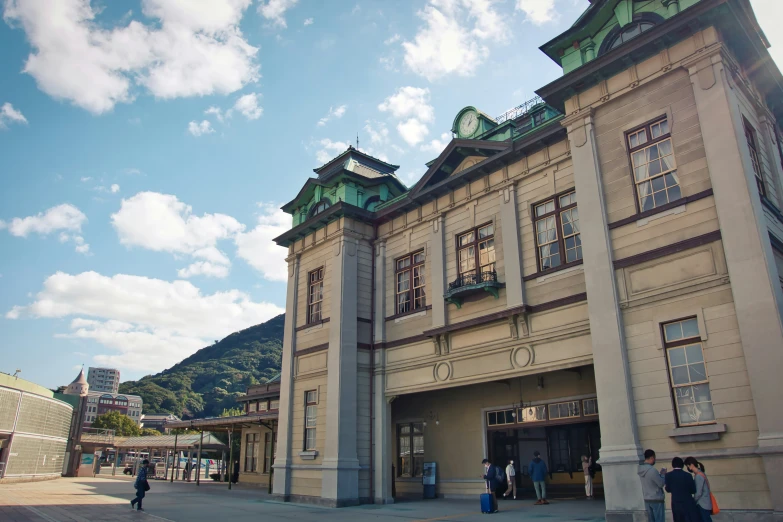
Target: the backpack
pixel 500 475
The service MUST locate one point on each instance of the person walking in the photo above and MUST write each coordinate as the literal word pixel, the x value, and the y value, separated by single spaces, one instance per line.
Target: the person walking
pixel 141 485
pixel 511 477
pixel 702 495
pixel 586 463
pixel 680 484
pixel 186 476
pixel 537 470
pixel 652 488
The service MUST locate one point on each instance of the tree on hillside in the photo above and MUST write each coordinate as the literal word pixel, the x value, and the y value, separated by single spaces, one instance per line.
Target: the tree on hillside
pixel 232 412
pixel 150 432
pixel 122 425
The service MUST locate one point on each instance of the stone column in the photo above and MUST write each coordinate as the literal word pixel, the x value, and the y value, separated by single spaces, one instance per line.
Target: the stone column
pixel 512 251
pixel 749 258
pixel 381 408
pixel 620 453
pixel 282 466
pixel 340 475
pixel 437 272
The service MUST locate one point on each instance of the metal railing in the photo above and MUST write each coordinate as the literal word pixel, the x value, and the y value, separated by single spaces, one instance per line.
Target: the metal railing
pixel 98 435
pixel 474 279
pixel 519 110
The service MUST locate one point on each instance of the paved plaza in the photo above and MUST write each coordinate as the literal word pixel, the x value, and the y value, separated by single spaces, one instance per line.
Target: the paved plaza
pixel 106 499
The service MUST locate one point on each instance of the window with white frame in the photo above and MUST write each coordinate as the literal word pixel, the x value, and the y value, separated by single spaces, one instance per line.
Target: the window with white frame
pixel 315 295
pixel 654 169
pixel 533 414
pixel 558 240
pixel 563 410
pixel 688 372
pixel 311 419
pixel 410 449
pixel 500 417
pixel 409 275
pixel 589 407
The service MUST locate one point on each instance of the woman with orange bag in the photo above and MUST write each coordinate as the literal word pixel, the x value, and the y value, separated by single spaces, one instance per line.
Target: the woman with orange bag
pixel 703 496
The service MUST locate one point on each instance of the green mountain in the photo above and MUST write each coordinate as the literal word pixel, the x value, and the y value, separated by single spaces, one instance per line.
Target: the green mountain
pixel 212 378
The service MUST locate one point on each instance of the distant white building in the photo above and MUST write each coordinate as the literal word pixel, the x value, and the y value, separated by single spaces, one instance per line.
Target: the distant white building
pixel 158 421
pixel 99 403
pixel 104 380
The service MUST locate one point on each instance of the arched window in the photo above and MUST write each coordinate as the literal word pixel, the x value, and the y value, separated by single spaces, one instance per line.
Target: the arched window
pixel 619 35
pixel 371 203
pixel 319 207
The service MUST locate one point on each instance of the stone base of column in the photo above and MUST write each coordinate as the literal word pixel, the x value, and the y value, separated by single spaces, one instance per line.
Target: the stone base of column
pixel 622 486
pixel 340 482
pixel 383 500
pixel 771 451
pixel 281 479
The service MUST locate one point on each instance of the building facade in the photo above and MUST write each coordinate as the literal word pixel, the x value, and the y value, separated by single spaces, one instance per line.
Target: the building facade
pixel 105 380
pixel 158 421
pixel 595 272
pixel 99 403
pixel 257 453
pixel 34 430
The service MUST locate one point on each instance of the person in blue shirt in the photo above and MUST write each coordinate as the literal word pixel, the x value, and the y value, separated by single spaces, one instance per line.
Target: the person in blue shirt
pixel 141 486
pixel 537 470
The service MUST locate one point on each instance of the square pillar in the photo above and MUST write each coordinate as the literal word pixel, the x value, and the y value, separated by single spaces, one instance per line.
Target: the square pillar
pixel 282 465
pixel 620 453
pixel 340 465
pixel 512 251
pixel 437 272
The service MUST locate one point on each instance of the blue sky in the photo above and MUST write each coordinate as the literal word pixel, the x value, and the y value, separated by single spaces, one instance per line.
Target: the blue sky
pixel 146 146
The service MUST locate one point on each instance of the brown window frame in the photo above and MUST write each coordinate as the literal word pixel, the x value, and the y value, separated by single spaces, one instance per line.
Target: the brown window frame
pixel 477 270
pixel 557 213
pixel 411 291
pixel 751 137
pixel 314 428
pixel 685 341
pixel 268 453
pixel 319 280
pixel 414 473
pixel 650 141
pixel 251 441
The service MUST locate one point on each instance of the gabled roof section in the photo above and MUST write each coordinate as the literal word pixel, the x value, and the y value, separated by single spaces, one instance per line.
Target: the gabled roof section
pixel 592 19
pixel 454 153
pixel 309 187
pixel 354 159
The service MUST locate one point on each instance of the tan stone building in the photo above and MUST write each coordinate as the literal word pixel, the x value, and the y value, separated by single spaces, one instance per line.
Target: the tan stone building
pixel 593 273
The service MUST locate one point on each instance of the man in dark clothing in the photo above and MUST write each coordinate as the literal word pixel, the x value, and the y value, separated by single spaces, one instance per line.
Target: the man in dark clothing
pixel 681 486
pixel 493 476
pixel 537 470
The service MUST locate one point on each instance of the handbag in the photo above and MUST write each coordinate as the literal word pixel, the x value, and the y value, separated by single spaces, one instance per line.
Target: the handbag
pixel 146 485
pixel 713 500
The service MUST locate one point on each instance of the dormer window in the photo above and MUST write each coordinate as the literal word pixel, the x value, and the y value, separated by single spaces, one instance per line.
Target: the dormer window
pixel 319 207
pixel 641 23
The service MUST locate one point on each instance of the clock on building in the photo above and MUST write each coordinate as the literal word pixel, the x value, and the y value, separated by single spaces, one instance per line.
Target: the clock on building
pixel 468 124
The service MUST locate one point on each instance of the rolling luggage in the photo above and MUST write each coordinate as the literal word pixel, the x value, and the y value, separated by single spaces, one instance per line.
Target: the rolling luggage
pixel 489 504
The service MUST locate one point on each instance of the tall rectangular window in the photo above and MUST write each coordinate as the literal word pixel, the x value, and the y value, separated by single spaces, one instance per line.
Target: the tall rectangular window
pixel 409 276
pixel 476 253
pixel 654 170
pixel 410 449
pixel 315 295
pixel 750 136
pixel 558 239
pixel 311 419
pixel 688 372
pixel 251 450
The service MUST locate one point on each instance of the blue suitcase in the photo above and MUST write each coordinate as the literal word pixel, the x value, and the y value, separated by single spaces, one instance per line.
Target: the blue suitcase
pixel 489 503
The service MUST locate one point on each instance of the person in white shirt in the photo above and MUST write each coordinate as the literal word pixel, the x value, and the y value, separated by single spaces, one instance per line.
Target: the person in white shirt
pixel 511 479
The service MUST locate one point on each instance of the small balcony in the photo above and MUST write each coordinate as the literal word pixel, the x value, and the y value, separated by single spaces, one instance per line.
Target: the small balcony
pixel 470 284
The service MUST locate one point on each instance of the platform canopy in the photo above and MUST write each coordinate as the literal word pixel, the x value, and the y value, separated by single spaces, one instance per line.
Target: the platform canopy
pixel 167 442
pixel 238 422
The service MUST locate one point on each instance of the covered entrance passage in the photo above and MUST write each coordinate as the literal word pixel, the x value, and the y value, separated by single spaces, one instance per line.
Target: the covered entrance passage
pixel 555 413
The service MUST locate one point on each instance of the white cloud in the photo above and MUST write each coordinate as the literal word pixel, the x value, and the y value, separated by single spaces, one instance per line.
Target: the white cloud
pixel 257 248
pixel 329 150
pixel 437 145
pixel 10 115
pixel 199 129
pixel 149 324
pixel 334 113
pixel 62 218
pixel 538 12
pixel 453 41
pixel 392 39
pixel 217 111
pixel 379 134
pixel 114 188
pixel 162 223
pixel 411 107
pixel 274 11
pixel 309 21
pixel 248 106
pixel 204 268
pixel 189 48
pixel 85 179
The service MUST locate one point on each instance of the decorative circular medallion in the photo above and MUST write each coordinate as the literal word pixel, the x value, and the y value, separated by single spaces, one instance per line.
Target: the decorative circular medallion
pixel 522 356
pixel 442 371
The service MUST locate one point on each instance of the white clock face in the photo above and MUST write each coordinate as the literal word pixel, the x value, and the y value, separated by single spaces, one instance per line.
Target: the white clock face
pixel 468 124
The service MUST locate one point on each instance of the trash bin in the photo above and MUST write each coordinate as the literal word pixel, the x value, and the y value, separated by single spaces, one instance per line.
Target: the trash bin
pixel 428 480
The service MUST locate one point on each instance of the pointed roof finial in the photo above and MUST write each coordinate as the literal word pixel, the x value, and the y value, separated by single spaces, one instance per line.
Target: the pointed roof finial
pixel 357 141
